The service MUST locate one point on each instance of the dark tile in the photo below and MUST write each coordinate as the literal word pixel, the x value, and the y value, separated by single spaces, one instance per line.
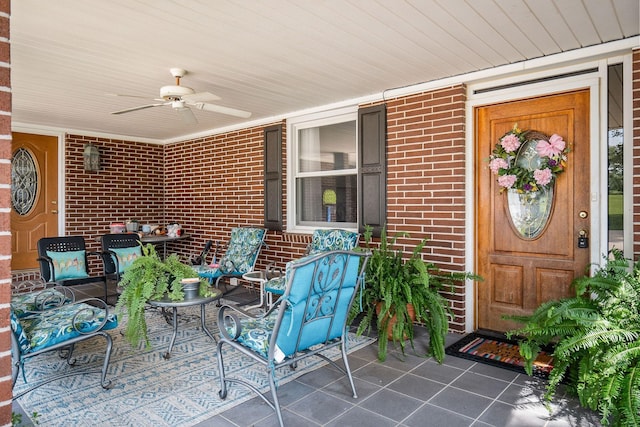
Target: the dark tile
pixel 461 402
pixel 342 389
pixel 320 407
pixel 416 387
pixel 319 378
pixel 441 373
pixel 516 394
pixel 357 416
pixel 378 374
pixel 293 391
pixel 391 404
pixel 502 414
pixel 430 415
pixel 249 412
pixel 494 371
pixel 480 384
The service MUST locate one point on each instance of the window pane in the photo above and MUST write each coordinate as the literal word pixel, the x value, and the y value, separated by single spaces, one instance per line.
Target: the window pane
pixel 615 166
pixel 327 199
pixel 325 148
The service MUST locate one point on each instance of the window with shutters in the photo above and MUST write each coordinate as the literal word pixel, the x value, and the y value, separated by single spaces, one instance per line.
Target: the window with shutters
pixel 323 171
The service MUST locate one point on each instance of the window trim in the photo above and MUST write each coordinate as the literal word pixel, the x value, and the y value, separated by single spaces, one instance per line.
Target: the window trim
pixel 317 119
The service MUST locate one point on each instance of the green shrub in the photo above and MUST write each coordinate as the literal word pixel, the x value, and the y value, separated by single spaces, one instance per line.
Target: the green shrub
pixel 597 341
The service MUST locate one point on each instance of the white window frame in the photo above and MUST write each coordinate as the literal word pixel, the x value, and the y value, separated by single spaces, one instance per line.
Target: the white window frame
pixel 294 125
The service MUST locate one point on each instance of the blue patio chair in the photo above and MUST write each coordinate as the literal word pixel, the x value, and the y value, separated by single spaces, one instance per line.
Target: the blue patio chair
pixel 239 257
pixel 322 240
pixel 51 320
pixel 310 318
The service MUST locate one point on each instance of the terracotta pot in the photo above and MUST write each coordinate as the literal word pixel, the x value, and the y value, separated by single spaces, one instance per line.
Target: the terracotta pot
pixel 412 316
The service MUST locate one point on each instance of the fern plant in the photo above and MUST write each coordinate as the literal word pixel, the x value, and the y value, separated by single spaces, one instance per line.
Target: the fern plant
pixel 149 278
pixel 395 285
pixel 597 341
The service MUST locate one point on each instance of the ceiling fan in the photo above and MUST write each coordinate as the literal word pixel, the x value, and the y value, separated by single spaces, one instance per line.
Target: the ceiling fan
pixel 181 98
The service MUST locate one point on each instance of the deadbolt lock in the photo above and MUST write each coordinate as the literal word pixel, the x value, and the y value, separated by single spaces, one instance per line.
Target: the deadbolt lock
pixel 583 214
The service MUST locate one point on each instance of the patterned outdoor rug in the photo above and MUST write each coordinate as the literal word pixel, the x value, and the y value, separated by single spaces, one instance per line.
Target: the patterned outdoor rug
pixel 147 389
pixel 498 351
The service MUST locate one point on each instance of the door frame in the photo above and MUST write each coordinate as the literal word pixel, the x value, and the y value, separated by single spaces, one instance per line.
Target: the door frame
pixel 61 167
pixel 478 95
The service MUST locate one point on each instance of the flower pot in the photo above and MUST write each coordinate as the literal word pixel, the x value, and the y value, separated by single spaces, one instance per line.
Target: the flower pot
pixel 392 321
pixel 190 287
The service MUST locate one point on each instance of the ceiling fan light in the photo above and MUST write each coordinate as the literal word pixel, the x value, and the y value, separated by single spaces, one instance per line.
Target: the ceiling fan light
pixel 177 104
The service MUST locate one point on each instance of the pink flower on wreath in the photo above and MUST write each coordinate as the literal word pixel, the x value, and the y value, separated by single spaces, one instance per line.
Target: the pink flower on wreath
pixel 552 148
pixel 510 143
pixel 542 176
pixel 507 181
pixel 498 163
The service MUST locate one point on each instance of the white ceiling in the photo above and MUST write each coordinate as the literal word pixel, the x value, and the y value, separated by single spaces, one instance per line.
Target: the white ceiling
pixel 270 57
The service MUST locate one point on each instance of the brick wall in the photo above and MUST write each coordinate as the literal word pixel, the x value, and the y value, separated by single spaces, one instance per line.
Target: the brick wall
pixel 636 153
pixel 5 204
pixel 129 185
pixel 216 183
pixel 425 179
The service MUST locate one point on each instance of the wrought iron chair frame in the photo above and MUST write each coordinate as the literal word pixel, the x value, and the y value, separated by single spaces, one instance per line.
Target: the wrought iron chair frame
pixel 230 324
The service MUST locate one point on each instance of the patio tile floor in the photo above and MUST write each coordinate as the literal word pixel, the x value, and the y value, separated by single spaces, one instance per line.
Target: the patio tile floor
pixel 409 391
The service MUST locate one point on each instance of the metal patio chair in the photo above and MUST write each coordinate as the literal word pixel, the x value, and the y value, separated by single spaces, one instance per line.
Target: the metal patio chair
pixel 51 320
pixel 63 261
pixel 240 256
pixel 310 318
pixel 119 250
pixel 322 240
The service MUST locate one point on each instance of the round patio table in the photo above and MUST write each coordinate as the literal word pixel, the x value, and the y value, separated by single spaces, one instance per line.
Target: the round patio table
pixel 174 305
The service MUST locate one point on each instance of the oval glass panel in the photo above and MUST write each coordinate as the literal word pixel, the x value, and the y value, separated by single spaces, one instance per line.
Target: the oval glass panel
pixel 530 212
pixel 24 181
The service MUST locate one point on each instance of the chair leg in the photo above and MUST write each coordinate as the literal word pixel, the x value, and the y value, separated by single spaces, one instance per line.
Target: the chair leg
pixel 345 360
pixel 274 395
pixel 223 384
pixel 107 356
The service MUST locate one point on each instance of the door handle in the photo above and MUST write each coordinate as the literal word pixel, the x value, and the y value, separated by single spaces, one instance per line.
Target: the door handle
pixel 583 239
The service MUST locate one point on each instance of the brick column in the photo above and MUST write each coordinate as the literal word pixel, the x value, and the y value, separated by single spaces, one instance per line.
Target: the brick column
pixel 636 153
pixel 5 228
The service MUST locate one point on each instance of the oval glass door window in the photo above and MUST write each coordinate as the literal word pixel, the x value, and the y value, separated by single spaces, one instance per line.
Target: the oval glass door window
pixel 529 212
pixel 24 181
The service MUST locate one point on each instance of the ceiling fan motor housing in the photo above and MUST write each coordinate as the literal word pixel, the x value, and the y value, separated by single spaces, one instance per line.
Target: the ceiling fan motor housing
pixel 170 93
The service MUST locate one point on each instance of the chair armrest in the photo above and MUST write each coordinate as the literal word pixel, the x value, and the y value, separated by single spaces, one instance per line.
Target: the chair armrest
pixel 49 261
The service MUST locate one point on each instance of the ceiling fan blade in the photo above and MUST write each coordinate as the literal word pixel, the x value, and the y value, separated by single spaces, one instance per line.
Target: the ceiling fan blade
pixel 120 95
pixel 200 97
pixel 220 109
pixel 187 115
pixel 141 107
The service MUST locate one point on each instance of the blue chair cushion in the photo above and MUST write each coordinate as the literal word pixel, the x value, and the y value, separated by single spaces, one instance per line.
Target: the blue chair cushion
pixel 126 256
pixel 332 240
pixel 256 333
pixel 69 264
pixel 54 326
pixel 25 304
pixel 21 336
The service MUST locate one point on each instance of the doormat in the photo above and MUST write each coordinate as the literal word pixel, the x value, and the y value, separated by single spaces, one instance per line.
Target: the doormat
pixel 498 351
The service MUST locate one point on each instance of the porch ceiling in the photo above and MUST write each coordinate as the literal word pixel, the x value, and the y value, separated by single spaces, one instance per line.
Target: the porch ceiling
pixel 271 57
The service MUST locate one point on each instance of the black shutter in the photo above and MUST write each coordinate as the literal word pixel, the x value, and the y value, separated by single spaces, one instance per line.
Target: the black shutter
pixel 372 176
pixel 273 177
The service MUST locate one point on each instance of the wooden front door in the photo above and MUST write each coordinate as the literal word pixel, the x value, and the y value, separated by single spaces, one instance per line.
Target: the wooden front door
pixel 521 273
pixel 34 212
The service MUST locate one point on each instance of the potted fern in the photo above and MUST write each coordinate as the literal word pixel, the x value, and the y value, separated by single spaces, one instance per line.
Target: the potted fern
pixel 596 335
pixel 149 278
pixel 400 291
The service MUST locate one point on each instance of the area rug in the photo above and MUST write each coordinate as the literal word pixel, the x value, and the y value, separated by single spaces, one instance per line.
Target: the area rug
pixel 499 351
pixel 147 389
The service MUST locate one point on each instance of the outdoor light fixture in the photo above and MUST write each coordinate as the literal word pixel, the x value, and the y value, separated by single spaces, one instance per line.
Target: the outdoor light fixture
pixel 91 158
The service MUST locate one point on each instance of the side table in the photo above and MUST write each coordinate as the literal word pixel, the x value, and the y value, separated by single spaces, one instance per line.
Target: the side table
pixel 259 277
pixel 174 305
